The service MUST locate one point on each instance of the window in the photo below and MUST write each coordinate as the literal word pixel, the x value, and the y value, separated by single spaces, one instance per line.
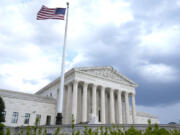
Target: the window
pixel 4 114
pixel 14 117
pixel 38 116
pixel 48 120
pixel 26 119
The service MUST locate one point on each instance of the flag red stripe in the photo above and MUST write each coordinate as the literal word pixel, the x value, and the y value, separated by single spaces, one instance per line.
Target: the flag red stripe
pixel 40 16
pixel 46 15
pixel 48 10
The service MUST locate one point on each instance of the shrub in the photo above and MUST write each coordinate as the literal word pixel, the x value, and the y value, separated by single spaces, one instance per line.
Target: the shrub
pixel 1 129
pixel 8 132
pixel 2 109
pixel 133 131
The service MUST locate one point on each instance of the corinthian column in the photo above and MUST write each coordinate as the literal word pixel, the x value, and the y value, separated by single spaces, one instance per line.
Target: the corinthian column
pixel 94 99
pixel 103 105
pixel 133 108
pixel 119 107
pixel 127 107
pixel 112 114
pixel 74 103
pixel 68 115
pixel 84 113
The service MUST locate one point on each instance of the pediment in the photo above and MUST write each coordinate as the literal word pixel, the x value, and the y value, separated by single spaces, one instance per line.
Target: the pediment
pixel 108 73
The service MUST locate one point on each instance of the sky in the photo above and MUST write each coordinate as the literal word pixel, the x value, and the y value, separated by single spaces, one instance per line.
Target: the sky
pixel 139 38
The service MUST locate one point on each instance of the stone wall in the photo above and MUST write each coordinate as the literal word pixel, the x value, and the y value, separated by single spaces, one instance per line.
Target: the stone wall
pixel 27 103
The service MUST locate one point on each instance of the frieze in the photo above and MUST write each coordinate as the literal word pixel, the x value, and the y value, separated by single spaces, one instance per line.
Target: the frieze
pixel 108 74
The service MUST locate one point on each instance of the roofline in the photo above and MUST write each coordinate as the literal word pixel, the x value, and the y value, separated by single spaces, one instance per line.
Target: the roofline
pixel 110 67
pixel 82 68
pixel 26 96
pixel 54 82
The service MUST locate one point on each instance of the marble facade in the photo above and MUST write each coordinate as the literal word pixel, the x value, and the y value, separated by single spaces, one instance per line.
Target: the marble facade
pixel 101 93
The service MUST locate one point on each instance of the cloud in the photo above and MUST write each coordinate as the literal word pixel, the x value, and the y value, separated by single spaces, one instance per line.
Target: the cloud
pixel 158 73
pixel 139 38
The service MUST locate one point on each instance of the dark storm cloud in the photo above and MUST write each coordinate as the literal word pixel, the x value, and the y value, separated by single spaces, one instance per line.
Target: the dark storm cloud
pixel 119 47
pixel 114 46
pixel 157 94
pixel 153 12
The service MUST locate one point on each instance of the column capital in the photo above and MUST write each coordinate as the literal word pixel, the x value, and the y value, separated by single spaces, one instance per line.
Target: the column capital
pixel 85 83
pixel 112 89
pixel 75 81
pixel 94 85
pixel 126 93
pixel 133 93
pixel 69 85
pixel 102 87
pixel 119 91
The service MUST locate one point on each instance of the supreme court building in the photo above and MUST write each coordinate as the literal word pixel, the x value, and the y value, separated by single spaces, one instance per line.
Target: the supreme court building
pixel 96 95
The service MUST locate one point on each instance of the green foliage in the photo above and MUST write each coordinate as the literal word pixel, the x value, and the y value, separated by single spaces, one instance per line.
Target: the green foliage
pixel 36 121
pixel 28 130
pixel 45 132
pixel 2 109
pixel 133 131
pixel 73 127
pixel 101 130
pixel 150 130
pixel 8 131
pixel 85 130
pixel 40 131
pixel 78 133
pixel 21 131
pixel 1 129
pixel 57 131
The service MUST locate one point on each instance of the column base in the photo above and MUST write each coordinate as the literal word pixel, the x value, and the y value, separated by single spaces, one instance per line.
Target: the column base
pixel 59 118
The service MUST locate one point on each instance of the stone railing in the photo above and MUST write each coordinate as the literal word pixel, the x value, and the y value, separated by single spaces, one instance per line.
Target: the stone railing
pixel 80 127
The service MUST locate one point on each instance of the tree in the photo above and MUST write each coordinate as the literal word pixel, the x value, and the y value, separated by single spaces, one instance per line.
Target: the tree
pixel 2 109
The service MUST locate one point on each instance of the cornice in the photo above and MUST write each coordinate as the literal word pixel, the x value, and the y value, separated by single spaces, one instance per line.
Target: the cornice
pixel 54 82
pixel 143 114
pixel 26 96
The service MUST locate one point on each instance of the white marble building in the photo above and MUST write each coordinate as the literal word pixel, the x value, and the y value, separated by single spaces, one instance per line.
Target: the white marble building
pixel 99 92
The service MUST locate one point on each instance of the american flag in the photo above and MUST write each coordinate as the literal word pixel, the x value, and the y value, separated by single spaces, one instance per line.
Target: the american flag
pixel 51 13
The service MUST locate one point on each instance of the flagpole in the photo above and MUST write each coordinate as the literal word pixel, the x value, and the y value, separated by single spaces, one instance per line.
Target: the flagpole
pixel 59 116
